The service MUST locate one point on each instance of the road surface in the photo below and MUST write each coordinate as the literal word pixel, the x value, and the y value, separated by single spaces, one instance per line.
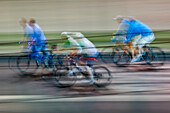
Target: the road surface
pixel 134 88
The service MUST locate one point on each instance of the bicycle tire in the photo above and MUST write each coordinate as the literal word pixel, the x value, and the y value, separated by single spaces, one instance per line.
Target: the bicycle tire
pixel 12 63
pixel 27 65
pixel 66 77
pixel 98 72
pixel 158 56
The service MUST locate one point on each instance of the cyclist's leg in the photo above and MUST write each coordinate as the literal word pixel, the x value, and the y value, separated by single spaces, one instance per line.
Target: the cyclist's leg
pixel 122 45
pixel 132 50
pixel 87 69
pixel 135 43
pixel 145 41
pixel 35 50
pixel 36 53
pixel 43 49
pixel 87 62
pixel 138 50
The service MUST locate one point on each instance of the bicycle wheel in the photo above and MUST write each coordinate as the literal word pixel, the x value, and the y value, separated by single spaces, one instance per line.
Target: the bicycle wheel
pixel 66 77
pixel 102 76
pixel 120 57
pixel 27 65
pixel 12 63
pixel 155 56
pixel 148 55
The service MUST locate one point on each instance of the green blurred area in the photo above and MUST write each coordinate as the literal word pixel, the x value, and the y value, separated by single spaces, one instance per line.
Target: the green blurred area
pixel 9 41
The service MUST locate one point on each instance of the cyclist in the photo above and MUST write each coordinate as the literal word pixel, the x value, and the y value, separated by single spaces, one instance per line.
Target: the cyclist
pixel 28 34
pixel 134 31
pixel 40 40
pixel 124 32
pixel 85 49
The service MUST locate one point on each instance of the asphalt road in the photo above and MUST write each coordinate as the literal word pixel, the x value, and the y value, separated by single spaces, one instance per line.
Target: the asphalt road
pixel 134 88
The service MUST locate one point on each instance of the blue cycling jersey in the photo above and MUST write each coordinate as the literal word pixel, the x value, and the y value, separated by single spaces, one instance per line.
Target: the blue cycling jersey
pixel 142 28
pixel 126 28
pixel 39 35
pixel 136 27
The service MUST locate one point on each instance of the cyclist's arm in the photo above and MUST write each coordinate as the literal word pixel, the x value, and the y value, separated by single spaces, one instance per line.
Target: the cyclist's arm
pixel 122 30
pixel 75 47
pixel 28 36
pixel 72 45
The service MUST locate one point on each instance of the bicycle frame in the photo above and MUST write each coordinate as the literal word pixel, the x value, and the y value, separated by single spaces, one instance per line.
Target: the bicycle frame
pixel 126 50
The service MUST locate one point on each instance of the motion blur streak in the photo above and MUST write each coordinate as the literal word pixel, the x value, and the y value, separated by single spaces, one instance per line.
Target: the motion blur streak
pixel 59 15
pixel 135 87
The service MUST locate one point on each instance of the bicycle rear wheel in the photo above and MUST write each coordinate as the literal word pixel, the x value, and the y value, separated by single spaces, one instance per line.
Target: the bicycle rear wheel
pixel 102 76
pixel 12 63
pixel 27 65
pixel 155 56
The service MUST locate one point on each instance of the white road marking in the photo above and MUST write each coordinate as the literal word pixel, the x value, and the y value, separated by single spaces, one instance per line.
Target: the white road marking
pixel 112 98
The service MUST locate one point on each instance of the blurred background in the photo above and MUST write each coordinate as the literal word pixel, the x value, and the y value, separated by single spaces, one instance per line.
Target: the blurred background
pixel 131 85
pixel 82 15
pixel 91 17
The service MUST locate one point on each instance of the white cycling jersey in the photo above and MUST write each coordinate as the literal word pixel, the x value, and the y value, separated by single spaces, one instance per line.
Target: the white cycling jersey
pixel 87 47
pixel 74 44
pixel 78 39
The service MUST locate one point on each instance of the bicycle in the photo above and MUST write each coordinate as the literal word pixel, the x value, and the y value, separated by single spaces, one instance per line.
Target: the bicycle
pixel 74 72
pixel 28 63
pixel 121 55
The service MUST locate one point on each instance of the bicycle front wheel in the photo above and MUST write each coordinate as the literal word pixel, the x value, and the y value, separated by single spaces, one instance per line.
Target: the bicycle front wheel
pixel 102 76
pixel 154 56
